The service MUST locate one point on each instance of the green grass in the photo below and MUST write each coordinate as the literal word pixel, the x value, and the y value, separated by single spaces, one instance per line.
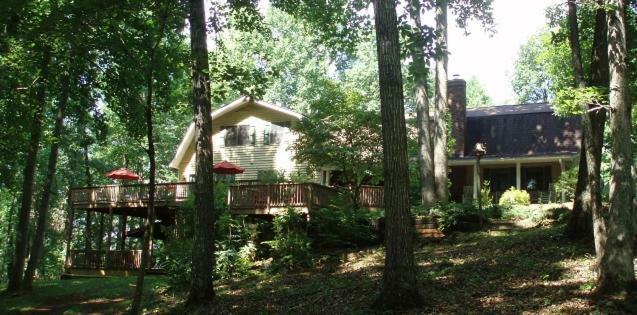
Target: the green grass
pixel 82 295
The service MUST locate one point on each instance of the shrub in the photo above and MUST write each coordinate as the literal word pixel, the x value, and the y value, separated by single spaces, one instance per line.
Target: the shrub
pixel 232 261
pixel 178 262
pixel 515 197
pixel 457 216
pixel 291 244
pixel 536 213
pixel 567 182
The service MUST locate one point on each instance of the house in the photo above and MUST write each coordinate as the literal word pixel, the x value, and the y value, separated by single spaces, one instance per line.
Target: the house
pixel 527 147
pixel 251 134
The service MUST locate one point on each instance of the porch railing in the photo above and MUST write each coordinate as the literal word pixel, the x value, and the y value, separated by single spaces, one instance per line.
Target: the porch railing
pixel 94 259
pixel 137 193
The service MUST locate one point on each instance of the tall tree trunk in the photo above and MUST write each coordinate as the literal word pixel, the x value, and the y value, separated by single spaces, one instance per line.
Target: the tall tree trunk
pixel 149 222
pixel 589 176
pixel 614 242
pixel 45 200
pixel 440 116
pixel 400 288
pixel 22 228
pixel 8 247
pixel 88 228
pixel 122 233
pixel 425 145
pixel 100 233
pixel 201 290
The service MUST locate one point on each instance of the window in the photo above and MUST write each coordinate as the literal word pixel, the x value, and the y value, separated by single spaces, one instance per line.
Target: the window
pixel 238 135
pixel 273 134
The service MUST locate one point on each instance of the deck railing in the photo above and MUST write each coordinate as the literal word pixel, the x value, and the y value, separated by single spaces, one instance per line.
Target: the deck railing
pixel 128 194
pixel 310 195
pixel 94 259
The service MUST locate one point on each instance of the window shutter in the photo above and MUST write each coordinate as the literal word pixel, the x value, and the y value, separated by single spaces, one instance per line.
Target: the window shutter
pixel 266 134
pixel 253 135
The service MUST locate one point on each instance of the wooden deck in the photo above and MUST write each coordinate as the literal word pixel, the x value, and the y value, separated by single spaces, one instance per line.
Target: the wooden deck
pixel 243 198
pixel 84 261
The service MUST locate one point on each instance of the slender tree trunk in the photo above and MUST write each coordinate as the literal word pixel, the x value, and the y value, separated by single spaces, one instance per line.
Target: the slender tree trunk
pixel 69 230
pixel 100 233
pixel 425 145
pixel 22 228
pixel 88 229
pixel 109 235
pixel 440 116
pixel 201 290
pixel 400 288
pixel 149 222
pixel 8 247
pixel 122 233
pixel 45 200
pixel 614 243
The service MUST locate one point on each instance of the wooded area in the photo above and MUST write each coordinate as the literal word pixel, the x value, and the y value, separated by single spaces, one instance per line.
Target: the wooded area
pixel 96 95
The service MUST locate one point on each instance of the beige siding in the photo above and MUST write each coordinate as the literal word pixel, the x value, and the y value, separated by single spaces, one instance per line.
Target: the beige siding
pixel 252 158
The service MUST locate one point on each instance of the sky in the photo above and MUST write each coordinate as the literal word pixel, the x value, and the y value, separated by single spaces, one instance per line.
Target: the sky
pixel 491 59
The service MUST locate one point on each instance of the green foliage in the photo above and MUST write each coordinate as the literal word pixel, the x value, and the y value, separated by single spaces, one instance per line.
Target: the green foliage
pixel 477 95
pixel 515 197
pixel 232 262
pixel 536 213
pixel 342 224
pixel 271 176
pixel 177 262
pixel 341 131
pixel 291 244
pixel 574 101
pixel 462 216
pixel 567 182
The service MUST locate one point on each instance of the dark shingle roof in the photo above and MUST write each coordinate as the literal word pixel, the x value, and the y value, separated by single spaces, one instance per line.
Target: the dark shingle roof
pixel 509 110
pixel 521 130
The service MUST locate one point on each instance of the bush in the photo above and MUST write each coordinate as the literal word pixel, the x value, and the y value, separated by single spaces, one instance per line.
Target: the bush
pixel 291 244
pixel 232 261
pixel 515 197
pixel 457 216
pixel 178 262
pixel 567 182
pixel 535 213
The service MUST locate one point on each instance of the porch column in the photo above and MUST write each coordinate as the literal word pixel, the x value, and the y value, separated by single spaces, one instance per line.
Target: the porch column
pixel 518 175
pixel 476 180
pixel 562 169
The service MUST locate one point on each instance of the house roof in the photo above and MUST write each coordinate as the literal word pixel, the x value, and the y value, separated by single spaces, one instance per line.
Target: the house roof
pixel 230 107
pixel 517 109
pixel 521 131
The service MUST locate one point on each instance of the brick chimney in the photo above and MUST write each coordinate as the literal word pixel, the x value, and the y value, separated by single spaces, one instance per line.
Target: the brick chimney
pixel 457 94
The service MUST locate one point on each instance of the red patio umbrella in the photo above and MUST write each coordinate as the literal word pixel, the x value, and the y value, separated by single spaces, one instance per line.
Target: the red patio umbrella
pixel 122 173
pixel 225 167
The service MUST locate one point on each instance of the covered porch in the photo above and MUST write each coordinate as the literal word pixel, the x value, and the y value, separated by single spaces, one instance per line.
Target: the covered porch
pixel 536 175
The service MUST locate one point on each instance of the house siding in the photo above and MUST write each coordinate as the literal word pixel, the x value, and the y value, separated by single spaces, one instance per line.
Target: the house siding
pixel 253 158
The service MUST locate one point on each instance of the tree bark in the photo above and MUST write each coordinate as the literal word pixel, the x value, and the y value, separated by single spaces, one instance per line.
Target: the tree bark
pixel 8 247
pixel 149 222
pixel 44 205
pixel 425 145
pixel 400 288
pixel 440 115
pixel 201 290
pixel 100 233
pixel 88 228
pixel 614 241
pixel 22 228
pixel 122 233
pixel 588 192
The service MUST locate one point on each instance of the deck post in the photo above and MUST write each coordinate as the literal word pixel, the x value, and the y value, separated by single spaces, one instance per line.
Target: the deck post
pixel 69 231
pixel 562 169
pixel 267 199
pixel 310 198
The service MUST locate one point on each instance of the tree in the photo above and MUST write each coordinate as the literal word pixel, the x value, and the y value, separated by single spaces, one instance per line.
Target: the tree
pixel 201 290
pixel 420 50
pixel 400 288
pixel 614 231
pixel 588 189
pixel 477 95
pixel 531 82
pixel 441 105
pixel 341 131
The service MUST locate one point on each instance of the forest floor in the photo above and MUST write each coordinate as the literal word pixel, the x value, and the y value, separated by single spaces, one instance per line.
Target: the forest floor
pixel 512 268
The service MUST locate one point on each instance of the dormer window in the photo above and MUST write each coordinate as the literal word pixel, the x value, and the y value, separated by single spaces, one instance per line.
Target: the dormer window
pixel 273 133
pixel 238 135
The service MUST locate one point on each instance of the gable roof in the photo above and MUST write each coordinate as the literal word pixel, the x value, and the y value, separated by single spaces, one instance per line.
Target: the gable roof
pixel 242 101
pixel 521 131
